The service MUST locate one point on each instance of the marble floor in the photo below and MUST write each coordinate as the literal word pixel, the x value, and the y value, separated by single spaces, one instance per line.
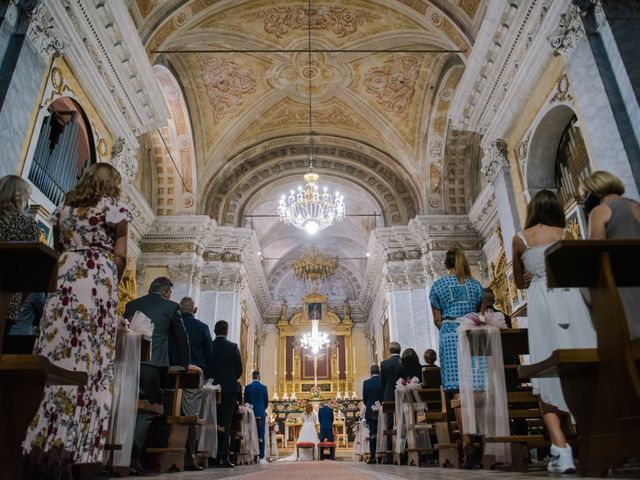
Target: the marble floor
pixel 347 470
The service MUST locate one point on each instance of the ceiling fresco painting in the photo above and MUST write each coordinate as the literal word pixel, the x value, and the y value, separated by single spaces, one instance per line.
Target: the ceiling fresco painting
pixel 369 80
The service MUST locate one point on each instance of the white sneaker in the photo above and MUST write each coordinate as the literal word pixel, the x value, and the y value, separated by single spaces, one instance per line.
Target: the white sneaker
pixel 263 462
pixel 561 460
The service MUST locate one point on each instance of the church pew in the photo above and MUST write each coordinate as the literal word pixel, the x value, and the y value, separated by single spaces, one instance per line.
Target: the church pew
pixel 24 267
pixel 170 456
pixel 439 410
pixel 525 418
pixel 601 386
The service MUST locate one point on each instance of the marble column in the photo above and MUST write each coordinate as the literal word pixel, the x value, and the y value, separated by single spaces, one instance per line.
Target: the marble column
pixel 410 316
pixel 220 296
pixel 495 167
pixel 602 79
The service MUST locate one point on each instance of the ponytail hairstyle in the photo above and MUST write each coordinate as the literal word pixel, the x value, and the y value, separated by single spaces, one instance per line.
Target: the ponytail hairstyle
pixel 455 260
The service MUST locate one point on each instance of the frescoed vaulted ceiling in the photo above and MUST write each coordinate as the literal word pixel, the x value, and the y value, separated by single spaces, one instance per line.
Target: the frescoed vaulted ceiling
pixel 378 76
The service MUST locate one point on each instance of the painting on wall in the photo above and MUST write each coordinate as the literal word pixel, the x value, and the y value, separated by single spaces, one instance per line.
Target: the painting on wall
pixel 314 310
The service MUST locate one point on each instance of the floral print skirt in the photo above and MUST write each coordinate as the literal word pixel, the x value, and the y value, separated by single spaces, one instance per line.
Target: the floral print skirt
pixel 78 330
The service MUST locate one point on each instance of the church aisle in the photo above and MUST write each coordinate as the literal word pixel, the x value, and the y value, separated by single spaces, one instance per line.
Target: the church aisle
pixel 354 471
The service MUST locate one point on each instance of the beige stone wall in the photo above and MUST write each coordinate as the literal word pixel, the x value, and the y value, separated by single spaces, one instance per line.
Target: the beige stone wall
pixel 269 360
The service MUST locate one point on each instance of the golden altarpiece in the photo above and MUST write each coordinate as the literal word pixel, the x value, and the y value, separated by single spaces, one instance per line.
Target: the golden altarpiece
pixel 332 369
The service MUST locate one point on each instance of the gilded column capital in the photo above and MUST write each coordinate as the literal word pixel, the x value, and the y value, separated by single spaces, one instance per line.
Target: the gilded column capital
pixel 495 159
pixel 569 31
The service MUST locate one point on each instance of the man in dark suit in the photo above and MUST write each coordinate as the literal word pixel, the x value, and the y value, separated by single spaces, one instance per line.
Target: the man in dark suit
pixel 257 395
pixel 388 376
pixel 225 370
pixel 325 418
pixel 169 346
pixel 200 346
pixel 372 393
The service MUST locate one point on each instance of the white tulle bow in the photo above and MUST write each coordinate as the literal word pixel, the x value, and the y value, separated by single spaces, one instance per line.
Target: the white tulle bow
pixel 141 324
pixel 413 384
pixel 488 319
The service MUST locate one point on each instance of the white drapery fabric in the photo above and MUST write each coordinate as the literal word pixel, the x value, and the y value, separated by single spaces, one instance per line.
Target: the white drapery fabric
pixel 208 438
pixel 126 385
pixel 484 411
pixel 361 439
pixel 272 451
pixel 381 443
pixel 250 443
pixel 408 405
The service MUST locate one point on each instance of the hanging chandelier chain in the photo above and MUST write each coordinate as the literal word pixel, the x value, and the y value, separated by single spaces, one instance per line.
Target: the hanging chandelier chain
pixel 310 84
pixel 308 208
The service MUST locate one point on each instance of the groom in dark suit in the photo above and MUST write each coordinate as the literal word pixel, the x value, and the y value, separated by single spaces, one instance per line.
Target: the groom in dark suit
pixel 325 417
pixel 225 369
pixel 256 394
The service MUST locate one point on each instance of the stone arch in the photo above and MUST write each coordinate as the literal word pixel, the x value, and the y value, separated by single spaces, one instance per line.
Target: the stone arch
pixel 228 193
pixel 539 169
pixel 173 152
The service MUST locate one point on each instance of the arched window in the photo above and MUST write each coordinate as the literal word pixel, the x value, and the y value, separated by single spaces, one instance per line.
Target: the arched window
pixel 572 161
pixel 65 147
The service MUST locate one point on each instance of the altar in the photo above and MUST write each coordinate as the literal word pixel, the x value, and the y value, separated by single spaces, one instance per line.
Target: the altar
pixel 328 373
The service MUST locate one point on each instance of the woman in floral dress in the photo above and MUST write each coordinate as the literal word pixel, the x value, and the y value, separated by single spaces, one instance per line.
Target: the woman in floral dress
pixel 78 327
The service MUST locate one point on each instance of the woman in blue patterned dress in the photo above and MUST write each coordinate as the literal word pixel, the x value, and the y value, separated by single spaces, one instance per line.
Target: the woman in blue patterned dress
pixel 78 327
pixel 452 297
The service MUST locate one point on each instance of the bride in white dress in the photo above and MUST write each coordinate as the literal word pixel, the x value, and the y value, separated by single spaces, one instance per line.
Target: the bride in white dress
pixel 308 434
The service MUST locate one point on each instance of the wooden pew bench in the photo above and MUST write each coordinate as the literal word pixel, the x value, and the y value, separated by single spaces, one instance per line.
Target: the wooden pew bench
pixel 170 457
pixel 25 267
pixel 602 385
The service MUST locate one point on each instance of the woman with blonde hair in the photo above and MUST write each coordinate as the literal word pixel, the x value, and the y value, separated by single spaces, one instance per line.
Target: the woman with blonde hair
pixel 15 225
pixel 613 216
pixel 78 326
pixel 558 318
pixel 452 297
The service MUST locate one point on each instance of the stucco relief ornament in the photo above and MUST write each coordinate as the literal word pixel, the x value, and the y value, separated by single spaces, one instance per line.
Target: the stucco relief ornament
pixel 495 158
pixel 43 33
pixel 124 159
pixel 226 84
pixel 570 30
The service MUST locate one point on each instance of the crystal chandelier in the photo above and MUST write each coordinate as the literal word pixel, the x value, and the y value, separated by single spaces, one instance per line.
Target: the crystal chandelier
pixel 307 208
pixel 314 340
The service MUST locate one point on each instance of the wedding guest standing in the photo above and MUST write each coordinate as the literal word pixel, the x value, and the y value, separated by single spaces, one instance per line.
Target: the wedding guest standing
pixel 15 225
pixel 409 366
pixel 452 297
pixel 257 395
pixel 226 370
pixel 558 317
pixel 372 393
pixel 78 327
pixel 613 216
pixel 388 376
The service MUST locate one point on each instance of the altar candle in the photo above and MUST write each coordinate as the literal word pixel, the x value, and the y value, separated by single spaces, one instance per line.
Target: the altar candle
pixel 338 359
pixel 354 363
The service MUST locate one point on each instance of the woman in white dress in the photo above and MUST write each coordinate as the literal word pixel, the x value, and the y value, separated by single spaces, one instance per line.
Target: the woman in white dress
pixel 308 434
pixel 558 317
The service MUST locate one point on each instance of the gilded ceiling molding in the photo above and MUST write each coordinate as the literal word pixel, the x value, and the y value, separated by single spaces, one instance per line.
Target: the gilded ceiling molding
pixel 253 169
pixel 508 58
pixel 105 54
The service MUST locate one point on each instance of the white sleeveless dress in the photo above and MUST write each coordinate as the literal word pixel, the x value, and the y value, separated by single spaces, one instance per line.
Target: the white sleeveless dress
pixel 558 318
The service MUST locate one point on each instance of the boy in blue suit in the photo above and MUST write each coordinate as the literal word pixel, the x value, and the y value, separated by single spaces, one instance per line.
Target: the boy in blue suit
pixel 325 417
pixel 256 394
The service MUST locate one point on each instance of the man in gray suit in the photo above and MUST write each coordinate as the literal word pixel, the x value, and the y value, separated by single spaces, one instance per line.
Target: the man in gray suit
pixel 169 346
